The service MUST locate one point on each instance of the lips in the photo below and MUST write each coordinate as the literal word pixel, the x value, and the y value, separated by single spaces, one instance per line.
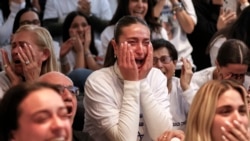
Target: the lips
pixel 58 139
pixel 139 62
pixel 69 107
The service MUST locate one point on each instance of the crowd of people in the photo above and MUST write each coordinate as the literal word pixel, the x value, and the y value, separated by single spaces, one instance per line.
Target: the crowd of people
pixel 124 70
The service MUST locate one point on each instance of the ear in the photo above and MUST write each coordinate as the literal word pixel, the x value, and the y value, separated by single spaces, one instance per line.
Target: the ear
pixel 175 62
pixel 46 54
pixel 217 64
pixel 115 47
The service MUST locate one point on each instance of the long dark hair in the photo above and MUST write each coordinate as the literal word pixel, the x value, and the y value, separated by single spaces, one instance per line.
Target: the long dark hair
pixel 16 24
pixel 67 23
pixel 122 10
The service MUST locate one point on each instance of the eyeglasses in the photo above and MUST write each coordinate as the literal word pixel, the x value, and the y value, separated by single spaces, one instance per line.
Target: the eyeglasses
pixel 34 22
pixel 237 76
pixel 72 89
pixel 163 59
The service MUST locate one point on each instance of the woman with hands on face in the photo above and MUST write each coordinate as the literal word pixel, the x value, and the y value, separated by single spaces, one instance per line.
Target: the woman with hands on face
pixel 78 49
pixel 32 55
pixel 219 113
pixel 180 92
pixel 128 93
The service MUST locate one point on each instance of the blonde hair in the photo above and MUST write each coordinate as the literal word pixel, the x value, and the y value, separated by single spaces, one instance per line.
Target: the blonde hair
pixel 202 110
pixel 43 41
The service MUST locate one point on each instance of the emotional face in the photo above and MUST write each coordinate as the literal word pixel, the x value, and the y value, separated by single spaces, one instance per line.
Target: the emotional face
pixel 230 107
pixel 163 61
pixel 43 117
pixel 78 27
pixel 25 41
pixel 138 8
pixel 233 71
pixel 137 37
pixel 68 96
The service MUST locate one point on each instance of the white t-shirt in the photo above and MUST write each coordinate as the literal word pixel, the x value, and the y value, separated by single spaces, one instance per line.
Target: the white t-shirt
pixel 115 105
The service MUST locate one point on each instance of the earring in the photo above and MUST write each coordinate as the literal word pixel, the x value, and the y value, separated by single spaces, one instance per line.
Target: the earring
pixel 114 56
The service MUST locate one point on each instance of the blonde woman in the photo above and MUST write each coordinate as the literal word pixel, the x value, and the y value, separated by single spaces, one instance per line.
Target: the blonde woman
pixel 32 55
pixel 218 113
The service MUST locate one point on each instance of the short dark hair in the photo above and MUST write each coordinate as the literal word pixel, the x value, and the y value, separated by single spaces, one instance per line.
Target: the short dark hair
pixel 233 51
pixel 9 106
pixel 162 43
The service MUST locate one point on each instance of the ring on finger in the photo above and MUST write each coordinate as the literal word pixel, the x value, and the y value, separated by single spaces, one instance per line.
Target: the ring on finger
pixel 5 66
pixel 27 62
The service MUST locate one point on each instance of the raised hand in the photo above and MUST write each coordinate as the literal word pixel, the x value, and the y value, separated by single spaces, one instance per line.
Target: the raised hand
pixel 225 17
pixel 148 64
pixel 66 47
pixel 126 62
pixel 235 131
pixel 168 135
pixel 31 66
pixel 14 78
pixel 84 6
pixel 87 37
pixel 186 74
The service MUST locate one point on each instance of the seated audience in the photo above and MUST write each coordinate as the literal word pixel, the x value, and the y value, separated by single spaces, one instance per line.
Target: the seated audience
pixel 34 112
pixel 78 49
pixel 69 95
pixel 138 8
pixel 32 55
pixel 24 17
pixel 180 93
pixel 238 30
pixel 123 101
pixel 219 113
pixel 231 63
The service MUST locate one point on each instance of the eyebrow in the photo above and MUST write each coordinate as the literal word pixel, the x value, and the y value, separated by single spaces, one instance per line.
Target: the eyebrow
pixel 46 111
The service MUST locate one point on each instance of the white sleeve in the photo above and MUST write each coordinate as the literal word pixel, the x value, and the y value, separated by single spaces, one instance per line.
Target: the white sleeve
pixel 117 122
pixel 102 10
pixel 189 7
pixel 164 34
pixel 156 107
pixel 50 10
pixel 189 95
pixel 7 27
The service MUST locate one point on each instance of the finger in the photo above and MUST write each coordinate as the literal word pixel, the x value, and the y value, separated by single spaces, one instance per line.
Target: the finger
pixel 221 11
pixel 29 52
pixel 22 56
pixel 227 135
pixel 5 58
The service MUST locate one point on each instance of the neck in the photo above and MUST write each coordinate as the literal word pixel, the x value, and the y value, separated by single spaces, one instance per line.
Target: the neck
pixel 169 85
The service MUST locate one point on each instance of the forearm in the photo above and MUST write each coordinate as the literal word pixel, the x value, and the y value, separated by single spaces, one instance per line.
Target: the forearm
pixel 90 61
pixel 186 22
pixel 127 127
pixel 158 8
pixel 80 60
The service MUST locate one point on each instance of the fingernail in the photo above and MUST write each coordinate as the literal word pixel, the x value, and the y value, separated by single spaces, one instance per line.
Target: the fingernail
pixel 236 122
pixel 223 128
pixel 223 137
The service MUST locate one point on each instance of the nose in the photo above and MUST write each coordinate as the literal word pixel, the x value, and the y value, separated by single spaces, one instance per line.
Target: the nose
pixel 140 3
pixel 66 95
pixel 158 64
pixel 139 49
pixel 57 124
pixel 237 116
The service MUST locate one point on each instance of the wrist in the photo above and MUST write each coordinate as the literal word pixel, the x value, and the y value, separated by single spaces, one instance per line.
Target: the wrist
pixel 87 54
pixel 177 7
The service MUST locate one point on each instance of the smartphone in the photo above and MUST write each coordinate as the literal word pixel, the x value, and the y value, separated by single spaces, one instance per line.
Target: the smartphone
pixel 231 5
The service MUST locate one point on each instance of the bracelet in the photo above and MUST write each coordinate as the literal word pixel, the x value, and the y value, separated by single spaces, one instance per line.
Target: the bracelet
pixel 177 7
